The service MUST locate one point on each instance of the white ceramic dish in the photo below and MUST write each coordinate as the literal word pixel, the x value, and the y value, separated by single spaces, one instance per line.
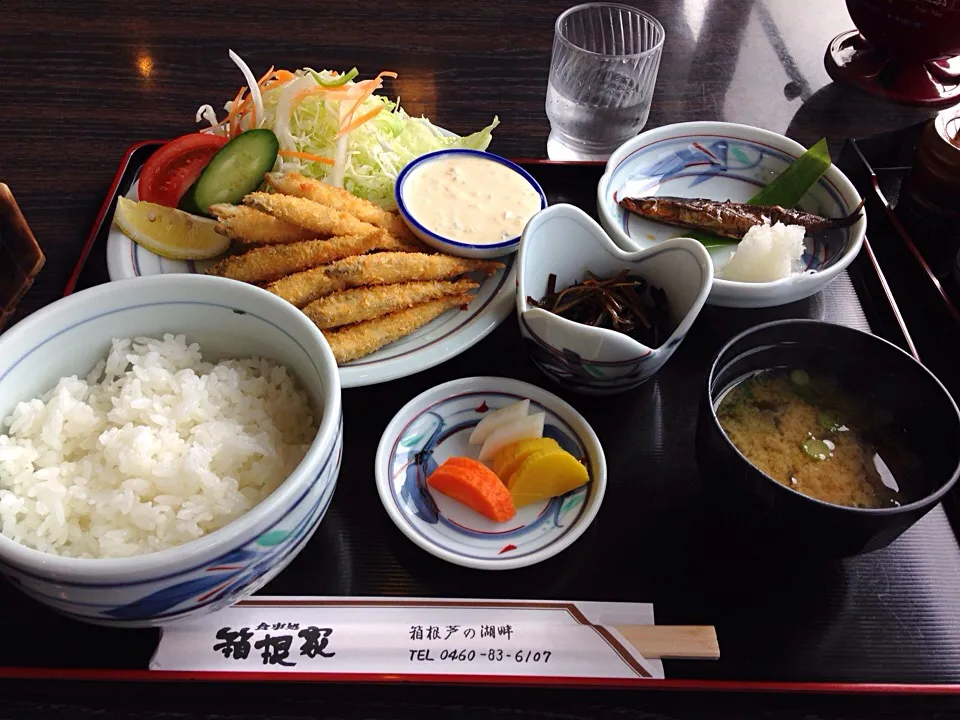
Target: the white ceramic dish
pixel 566 242
pixel 445 244
pixel 227 319
pixel 436 425
pixel 726 161
pixel 438 341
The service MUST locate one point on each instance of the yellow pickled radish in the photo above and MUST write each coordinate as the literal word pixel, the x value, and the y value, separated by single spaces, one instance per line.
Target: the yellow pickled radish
pixel 543 476
pixel 508 459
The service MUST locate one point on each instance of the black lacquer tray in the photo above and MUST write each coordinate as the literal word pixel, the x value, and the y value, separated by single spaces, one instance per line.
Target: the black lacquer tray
pixel 884 622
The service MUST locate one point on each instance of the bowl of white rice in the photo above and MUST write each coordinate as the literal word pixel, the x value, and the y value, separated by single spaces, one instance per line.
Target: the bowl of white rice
pixel 167 446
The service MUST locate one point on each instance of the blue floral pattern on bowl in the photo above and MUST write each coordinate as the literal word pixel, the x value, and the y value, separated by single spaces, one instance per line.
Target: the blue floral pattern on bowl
pixel 227 319
pixel 726 161
pixel 213 585
pixel 572 371
pixel 690 163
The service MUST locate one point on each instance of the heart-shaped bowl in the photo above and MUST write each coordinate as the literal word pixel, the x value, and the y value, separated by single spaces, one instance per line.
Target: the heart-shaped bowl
pixel 564 241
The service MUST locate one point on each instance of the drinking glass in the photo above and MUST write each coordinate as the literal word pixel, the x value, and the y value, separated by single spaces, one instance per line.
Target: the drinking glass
pixel 604 67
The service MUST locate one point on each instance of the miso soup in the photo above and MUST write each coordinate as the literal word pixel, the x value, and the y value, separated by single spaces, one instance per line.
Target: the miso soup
pixel 802 430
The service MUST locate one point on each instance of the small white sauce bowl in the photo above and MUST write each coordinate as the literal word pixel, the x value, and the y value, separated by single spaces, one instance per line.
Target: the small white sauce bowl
pixel 449 245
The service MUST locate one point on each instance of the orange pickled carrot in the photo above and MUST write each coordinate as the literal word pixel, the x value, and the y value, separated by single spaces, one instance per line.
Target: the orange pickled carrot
pixel 472 483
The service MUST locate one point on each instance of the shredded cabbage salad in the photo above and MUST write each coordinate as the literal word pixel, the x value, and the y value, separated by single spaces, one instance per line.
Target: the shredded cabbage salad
pixel 333 127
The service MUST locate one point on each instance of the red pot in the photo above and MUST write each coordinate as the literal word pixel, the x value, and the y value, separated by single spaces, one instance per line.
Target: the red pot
pixel 915 29
pixel 903 50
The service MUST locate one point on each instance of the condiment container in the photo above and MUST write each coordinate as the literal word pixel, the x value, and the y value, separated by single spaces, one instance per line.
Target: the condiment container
pixel 20 255
pixel 932 189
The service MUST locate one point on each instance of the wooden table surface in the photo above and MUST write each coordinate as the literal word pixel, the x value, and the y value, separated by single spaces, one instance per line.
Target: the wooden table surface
pixel 80 82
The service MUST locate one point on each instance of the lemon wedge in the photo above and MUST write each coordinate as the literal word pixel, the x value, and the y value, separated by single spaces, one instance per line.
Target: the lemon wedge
pixel 169 232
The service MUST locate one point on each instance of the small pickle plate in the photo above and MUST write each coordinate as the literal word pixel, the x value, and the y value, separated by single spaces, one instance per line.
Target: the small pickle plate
pixel 436 425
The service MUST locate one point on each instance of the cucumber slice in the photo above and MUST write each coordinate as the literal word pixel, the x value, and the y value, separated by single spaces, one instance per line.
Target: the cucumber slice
pixel 188 203
pixel 237 169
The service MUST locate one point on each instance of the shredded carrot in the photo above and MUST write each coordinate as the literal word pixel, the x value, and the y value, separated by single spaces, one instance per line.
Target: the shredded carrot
pixel 280 77
pixel 354 124
pixel 367 88
pixel 267 74
pixel 253 117
pixel 319 90
pixel 234 109
pixel 306 156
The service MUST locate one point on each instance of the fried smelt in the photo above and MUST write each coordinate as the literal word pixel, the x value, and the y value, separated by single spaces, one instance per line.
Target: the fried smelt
pixel 386 268
pixel 272 262
pixel 366 303
pixel 339 199
pixel 303 288
pixel 356 341
pixel 247 226
pixel 308 214
pixel 393 267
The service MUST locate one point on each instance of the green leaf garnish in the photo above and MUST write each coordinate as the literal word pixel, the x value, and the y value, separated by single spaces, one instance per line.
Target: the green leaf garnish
pixel 336 81
pixel 786 190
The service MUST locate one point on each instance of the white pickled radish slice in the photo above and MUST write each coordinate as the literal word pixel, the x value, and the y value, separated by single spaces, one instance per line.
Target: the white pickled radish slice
pixel 499 417
pixel 525 428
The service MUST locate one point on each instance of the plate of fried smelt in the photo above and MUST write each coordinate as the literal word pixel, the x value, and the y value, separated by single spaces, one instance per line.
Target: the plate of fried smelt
pixel 359 274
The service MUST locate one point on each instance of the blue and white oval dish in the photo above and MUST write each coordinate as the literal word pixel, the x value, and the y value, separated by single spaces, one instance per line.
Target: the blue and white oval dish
pixel 449 245
pixel 436 425
pixel 566 242
pixel 227 319
pixel 727 161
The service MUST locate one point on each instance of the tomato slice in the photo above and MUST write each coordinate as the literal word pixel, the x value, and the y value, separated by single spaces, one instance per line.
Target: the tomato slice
pixel 172 169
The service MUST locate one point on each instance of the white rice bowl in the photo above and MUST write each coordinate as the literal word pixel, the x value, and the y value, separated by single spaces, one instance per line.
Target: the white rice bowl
pixel 153 449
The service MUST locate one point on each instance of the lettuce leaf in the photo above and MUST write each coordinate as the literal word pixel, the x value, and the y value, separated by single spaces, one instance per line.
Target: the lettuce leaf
pixel 376 151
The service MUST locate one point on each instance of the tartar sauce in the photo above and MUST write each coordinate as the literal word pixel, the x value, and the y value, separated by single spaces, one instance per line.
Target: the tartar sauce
pixel 470 199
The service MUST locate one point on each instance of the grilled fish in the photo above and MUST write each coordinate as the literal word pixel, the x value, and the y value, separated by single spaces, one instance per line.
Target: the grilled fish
pixel 730 219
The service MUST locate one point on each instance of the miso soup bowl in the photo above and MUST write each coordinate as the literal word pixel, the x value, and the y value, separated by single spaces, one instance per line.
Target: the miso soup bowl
pixel 872 370
pixel 228 319
pixel 564 241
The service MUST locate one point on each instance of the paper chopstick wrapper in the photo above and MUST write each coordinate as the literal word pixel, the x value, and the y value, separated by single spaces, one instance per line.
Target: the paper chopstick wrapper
pixel 410 637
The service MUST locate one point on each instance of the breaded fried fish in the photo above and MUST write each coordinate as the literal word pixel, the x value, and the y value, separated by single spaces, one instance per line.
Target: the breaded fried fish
pixel 356 341
pixel 339 199
pixel 384 268
pixel 265 264
pixel 393 267
pixel 360 304
pixel 247 226
pixel 308 214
